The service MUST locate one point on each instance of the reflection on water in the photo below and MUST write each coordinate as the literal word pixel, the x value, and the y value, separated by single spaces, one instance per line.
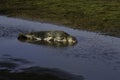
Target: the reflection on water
pixel 96 57
pixel 9 70
pixel 50 43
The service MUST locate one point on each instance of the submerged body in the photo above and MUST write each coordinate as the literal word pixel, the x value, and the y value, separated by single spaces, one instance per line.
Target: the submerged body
pixel 49 37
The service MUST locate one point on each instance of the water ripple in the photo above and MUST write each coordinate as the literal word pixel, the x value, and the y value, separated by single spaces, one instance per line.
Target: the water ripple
pixel 9 32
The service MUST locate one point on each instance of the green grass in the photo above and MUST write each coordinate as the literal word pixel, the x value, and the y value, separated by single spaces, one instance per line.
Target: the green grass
pixel 92 15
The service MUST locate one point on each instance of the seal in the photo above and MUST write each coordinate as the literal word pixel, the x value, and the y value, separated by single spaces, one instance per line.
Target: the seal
pixel 48 37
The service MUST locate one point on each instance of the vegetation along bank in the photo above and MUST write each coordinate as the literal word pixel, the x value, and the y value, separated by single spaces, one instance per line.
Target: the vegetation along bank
pixel 91 15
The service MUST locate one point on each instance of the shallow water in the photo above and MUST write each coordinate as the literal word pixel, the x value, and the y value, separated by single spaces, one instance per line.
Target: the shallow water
pixel 95 56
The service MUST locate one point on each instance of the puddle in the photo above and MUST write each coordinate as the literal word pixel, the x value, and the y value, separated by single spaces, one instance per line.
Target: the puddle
pixel 95 57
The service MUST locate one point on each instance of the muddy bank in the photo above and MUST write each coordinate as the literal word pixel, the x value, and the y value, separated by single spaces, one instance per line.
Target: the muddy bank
pixel 12 69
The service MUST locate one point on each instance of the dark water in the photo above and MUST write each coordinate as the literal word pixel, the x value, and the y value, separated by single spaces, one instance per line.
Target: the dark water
pixel 94 57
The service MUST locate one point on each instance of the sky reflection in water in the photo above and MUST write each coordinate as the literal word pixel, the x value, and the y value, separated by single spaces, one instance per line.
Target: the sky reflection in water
pixel 96 57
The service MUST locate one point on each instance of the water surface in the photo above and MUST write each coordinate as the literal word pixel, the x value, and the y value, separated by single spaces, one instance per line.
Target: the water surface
pixel 95 56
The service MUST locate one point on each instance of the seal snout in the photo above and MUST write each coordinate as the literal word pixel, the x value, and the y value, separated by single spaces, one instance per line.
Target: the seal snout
pixel 22 37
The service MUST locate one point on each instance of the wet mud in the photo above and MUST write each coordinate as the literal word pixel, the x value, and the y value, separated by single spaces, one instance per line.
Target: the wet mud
pixel 10 69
